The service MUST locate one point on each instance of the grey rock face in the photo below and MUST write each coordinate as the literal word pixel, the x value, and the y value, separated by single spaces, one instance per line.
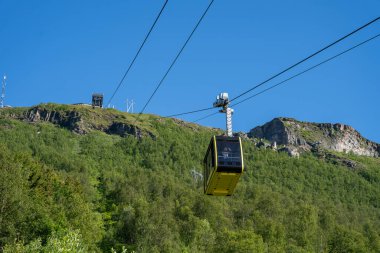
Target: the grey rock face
pixel 76 122
pixel 292 151
pixel 68 119
pixel 273 131
pixel 124 130
pixel 305 135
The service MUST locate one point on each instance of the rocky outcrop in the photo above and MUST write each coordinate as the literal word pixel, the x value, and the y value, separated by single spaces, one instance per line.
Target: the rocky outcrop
pixel 67 119
pixel 290 150
pixel 80 120
pixel 305 136
pixel 123 130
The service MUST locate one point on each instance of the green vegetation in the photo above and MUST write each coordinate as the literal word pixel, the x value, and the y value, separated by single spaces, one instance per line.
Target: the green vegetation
pixel 65 192
pixel 311 135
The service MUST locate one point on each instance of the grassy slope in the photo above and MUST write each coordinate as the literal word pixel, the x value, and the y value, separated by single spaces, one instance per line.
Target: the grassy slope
pixel 140 193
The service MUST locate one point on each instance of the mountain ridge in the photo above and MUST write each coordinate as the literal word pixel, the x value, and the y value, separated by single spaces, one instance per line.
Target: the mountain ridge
pixel 294 135
pixel 304 136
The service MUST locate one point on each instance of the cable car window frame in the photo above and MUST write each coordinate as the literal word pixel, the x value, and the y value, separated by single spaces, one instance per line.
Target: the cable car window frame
pixel 228 151
pixel 210 162
pixel 234 162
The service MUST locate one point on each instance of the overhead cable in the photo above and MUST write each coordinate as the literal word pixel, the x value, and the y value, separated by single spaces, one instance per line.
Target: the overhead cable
pixel 138 52
pixel 175 59
pixel 307 58
pixel 282 72
pixel 190 112
pixel 205 117
pixel 296 75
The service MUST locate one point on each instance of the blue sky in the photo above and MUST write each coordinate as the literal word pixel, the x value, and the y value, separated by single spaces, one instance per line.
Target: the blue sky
pixel 63 51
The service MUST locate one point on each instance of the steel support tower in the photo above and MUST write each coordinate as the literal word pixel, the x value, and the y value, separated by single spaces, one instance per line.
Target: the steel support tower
pixel 223 102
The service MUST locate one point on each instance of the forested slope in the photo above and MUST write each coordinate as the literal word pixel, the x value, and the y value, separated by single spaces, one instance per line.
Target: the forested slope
pixel 94 190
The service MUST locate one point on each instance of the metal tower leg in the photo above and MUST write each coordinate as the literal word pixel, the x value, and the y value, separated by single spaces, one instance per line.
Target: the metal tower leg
pixel 229 121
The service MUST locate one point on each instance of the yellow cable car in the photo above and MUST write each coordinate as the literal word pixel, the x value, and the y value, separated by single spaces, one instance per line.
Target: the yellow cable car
pixel 223 165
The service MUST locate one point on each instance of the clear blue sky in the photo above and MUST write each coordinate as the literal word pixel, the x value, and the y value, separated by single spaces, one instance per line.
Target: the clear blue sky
pixel 63 51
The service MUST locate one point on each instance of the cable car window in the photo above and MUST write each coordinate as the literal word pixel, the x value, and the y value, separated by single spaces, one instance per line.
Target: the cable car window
pixel 228 152
pixel 210 163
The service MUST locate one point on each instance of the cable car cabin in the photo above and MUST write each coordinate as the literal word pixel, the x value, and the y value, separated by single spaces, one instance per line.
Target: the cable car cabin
pixel 223 165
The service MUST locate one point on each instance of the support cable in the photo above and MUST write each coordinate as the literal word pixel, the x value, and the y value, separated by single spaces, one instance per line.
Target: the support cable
pixel 307 70
pixel 190 112
pixel 296 75
pixel 175 59
pixel 307 58
pixel 138 52
pixel 282 72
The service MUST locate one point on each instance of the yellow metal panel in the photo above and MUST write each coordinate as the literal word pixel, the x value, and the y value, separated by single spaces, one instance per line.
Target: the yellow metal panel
pixel 215 153
pixel 222 184
pixel 241 154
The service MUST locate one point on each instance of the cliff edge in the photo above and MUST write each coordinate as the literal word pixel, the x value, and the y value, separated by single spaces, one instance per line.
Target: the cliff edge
pixel 306 136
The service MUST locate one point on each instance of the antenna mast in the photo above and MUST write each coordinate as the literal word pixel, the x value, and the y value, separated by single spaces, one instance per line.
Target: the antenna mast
pixel 223 101
pixel 3 84
pixel 130 105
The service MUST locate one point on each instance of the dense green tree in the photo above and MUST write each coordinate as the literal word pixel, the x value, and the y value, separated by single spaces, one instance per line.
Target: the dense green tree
pixel 347 241
pixel 239 241
pixel 136 194
pixel 63 242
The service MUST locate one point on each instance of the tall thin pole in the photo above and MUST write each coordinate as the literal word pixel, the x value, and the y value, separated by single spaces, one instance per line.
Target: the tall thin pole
pixel 3 91
pixel 130 105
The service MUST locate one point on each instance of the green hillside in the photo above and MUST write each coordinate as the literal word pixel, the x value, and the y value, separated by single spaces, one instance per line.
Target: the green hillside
pixel 73 183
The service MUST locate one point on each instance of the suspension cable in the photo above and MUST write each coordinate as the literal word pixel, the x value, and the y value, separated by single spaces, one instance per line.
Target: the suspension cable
pixel 138 52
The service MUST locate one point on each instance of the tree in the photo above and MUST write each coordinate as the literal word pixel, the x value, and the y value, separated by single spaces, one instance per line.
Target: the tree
pixel 347 241
pixel 244 241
